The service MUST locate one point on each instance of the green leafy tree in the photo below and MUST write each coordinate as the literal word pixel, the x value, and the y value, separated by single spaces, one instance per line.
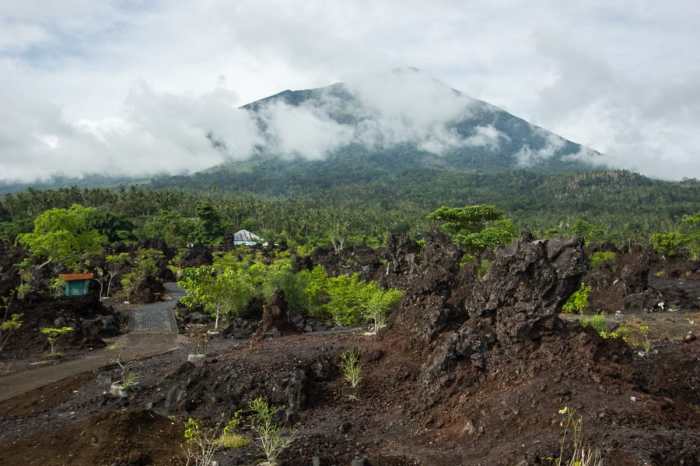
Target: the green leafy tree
pixel 112 226
pixel 690 227
pixel 346 299
pixel 212 228
pixel 221 293
pixel 64 236
pixel 177 230
pixel 589 231
pixel 475 228
pixel 116 265
pixel 669 244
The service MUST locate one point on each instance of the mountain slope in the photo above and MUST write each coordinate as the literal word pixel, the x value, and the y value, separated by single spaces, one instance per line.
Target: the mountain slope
pixel 425 121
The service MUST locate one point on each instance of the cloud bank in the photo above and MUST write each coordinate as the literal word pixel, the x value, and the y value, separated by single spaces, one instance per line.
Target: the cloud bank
pixel 140 88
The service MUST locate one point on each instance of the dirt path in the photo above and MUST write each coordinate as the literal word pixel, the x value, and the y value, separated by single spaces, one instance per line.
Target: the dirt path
pixel 153 331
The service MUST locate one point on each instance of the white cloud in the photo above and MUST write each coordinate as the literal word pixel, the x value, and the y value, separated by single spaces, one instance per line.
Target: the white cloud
pixel 303 131
pixel 486 136
pixel 596 72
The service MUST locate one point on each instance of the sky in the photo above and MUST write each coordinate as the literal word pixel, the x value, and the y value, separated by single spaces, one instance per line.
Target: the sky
pixel 133 87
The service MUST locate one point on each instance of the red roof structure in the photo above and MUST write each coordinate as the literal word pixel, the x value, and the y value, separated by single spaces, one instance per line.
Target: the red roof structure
pixel 73 277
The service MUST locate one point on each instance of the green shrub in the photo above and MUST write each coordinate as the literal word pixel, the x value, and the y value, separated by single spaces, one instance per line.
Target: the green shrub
pixel 8 327
pixel 230 438
pixel 273 439
pixel 597 323
pixel 578 302
pixel 669 244
pixel 200 443
pixel 600 258
pixel 352 369
pixel 378 303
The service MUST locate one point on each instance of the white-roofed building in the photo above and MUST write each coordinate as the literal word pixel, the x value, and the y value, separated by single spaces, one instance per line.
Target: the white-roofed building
pixel 246 238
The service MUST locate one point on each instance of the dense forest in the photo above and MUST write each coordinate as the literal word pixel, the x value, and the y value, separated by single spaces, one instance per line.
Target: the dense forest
pixel 283 201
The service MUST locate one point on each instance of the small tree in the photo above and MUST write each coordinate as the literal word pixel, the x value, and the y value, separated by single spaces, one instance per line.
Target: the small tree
pixel 128 378
pixel 9 324
pixel 116 264
pixel 53 334
pixel 200 444
pixel 57 286
pixel 223 293
pixel 378 304
pixel 338 235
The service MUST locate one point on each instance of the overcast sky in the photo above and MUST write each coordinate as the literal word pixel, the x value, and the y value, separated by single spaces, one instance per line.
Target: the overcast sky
pixel 132 87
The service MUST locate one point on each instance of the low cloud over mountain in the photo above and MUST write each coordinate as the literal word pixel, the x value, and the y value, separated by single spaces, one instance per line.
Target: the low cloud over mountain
pixel 139 88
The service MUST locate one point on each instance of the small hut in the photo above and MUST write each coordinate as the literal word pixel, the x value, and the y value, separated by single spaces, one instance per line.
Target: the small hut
pixel 76 284
pixel 246 238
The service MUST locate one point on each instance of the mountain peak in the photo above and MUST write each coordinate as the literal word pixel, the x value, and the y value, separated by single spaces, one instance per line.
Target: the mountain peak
pixel 413 111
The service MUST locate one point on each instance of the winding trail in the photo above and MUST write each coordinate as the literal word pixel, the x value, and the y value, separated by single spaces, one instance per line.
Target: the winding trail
pixel 153 331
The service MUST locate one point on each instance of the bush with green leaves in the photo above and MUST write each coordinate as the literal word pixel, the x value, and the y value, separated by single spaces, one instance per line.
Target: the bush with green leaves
pixel 230 437
pixel 351 369
pixel 234 279
pixel 272 436
pixel 601 258
pixel 144 267
pixel 578 301
pixel 8 326
pixel 346 299
pixel 671 244
pixel 200 443
pixel 636 336
pixel 597 322
pixel 378 303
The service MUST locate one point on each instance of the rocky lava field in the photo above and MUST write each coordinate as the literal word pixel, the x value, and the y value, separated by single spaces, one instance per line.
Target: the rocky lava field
pixel 472 370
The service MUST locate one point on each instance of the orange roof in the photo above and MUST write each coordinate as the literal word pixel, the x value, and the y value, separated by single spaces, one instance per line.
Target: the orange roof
pixel 71 277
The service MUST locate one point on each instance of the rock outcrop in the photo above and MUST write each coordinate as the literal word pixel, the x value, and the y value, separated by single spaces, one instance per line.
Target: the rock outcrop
pixel 456 318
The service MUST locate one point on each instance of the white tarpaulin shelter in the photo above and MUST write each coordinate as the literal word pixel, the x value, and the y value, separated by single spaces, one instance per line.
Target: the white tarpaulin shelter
pixel 246 238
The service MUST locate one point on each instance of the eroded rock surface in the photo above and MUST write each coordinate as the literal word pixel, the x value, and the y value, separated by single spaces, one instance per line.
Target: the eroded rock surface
pixel 457 318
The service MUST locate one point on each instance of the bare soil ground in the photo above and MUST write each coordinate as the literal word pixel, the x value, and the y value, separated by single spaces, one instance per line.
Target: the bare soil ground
pixel 639 410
